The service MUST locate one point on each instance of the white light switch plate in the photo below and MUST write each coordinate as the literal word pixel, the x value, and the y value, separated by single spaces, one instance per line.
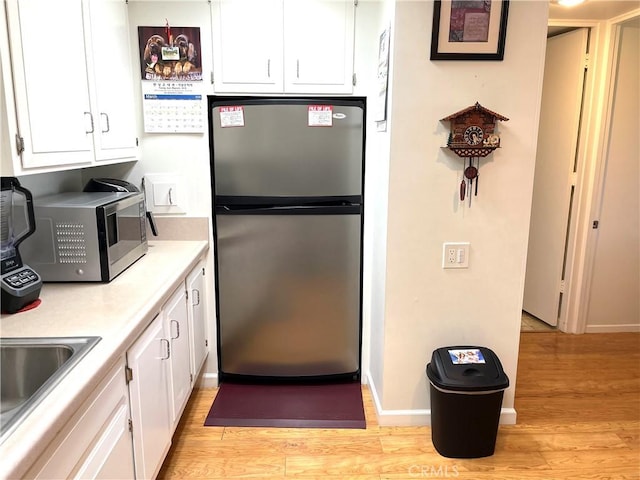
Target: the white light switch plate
pixel 455 254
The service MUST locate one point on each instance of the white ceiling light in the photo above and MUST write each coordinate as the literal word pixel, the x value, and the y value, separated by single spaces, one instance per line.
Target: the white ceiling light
pixel 568 3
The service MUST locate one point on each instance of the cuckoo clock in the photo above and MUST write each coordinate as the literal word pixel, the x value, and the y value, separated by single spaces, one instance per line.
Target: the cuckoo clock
pixel 473 136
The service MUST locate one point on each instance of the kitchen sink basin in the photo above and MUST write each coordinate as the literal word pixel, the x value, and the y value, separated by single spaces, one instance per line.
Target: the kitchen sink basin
pixel 30 368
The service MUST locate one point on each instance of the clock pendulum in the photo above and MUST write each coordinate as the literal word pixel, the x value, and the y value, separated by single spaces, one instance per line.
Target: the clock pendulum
pixel 471 173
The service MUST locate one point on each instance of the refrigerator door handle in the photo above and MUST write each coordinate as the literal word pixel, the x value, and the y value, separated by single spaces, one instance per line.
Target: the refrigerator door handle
pixel 326 209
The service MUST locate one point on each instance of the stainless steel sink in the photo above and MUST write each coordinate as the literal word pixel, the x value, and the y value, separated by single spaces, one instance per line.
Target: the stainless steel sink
pixel 30 368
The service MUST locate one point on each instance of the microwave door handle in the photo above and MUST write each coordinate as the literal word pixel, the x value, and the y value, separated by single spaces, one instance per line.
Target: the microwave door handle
pixel 152 223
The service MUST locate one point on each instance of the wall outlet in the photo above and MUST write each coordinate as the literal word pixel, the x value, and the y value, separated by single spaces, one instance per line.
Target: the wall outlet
pixel 455 254
pixel 165 193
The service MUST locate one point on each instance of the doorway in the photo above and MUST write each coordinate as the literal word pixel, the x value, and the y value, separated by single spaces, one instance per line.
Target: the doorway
pixel 589 178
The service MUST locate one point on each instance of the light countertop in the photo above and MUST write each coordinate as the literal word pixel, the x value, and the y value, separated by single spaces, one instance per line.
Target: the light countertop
pixel 118 312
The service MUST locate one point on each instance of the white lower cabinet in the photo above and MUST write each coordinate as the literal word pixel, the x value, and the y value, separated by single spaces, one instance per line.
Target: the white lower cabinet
pixel 148 361
pixel 196 295
pixel 124 429
pixel 176 324
pixel 96 443
pixel 161 374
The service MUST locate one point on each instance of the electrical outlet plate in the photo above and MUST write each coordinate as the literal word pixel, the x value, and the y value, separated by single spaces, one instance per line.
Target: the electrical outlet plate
pixel 455 254
pixel 165 193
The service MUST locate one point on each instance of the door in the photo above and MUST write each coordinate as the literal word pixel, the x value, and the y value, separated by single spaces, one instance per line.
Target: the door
pixel 289 293
pixel 51 85
pixel 318 46
pixel 150 406
pixel 613 295
pixel 562 98
pixel 177 328
pixel 276 153
pixel 247 47
pixel 111 73
pixel 197 315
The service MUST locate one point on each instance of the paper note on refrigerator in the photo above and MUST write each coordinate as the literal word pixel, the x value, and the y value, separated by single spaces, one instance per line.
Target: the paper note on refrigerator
pixel 232 116
pixel 320 115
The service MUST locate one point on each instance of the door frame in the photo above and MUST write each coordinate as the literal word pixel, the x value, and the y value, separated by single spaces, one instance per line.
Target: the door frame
pixel 591 155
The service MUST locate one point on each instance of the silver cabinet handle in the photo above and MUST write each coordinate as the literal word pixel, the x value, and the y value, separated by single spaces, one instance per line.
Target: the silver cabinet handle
pixel 269 68
pixel 195 297
pixel 106 117
pixel 168 349
pixel 177 324
pixel 91 120
pixel 298 68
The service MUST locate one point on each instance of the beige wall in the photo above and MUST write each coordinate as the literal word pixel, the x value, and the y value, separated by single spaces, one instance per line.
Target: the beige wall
pixel 614 303
pixel 428 307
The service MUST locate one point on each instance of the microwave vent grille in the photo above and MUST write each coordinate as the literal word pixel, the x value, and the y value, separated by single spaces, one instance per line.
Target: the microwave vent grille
pixel 71 243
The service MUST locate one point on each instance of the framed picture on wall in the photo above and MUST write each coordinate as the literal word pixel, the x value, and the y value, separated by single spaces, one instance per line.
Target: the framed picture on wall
pixel 469 29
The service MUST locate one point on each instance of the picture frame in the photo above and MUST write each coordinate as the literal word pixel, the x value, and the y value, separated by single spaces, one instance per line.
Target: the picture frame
pixel 469 30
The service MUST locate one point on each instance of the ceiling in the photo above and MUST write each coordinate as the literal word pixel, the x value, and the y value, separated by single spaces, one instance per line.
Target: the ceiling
pixel 593 10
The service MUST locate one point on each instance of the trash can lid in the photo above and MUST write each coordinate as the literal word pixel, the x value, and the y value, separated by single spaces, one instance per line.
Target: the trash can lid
pixel 466 369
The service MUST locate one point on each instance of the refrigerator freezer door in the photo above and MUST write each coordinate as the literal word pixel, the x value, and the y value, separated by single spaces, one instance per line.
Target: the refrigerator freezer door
pixel 276 153
pixel 289 294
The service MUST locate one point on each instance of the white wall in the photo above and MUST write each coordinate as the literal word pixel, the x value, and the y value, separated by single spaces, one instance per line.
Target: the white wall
pixel 428 307
pixel 376 203
pixel 614 304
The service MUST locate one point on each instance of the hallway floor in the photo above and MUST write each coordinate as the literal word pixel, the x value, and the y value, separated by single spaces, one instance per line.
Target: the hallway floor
pixel 533 324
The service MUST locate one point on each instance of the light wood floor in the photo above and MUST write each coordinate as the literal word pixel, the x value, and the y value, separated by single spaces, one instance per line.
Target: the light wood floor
pixel 578 404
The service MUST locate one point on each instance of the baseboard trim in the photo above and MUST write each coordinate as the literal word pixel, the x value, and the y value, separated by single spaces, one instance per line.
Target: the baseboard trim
pixel 208 380
pixel 418 417
pixel 623 328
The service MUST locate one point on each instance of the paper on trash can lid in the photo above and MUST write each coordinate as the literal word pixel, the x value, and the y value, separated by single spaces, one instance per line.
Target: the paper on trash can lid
pixel 466 356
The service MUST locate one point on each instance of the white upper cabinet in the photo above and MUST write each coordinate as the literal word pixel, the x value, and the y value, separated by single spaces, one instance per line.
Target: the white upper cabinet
pixel 50 82
pixel 247 48
pixel 72 88
pixel 283 46
pixel 318 48
pixel 109 67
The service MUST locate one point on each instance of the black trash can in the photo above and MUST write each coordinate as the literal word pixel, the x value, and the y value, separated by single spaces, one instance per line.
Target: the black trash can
pixel 466 384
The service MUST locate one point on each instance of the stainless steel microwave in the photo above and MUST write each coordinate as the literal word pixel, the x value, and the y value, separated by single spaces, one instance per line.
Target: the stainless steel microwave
pixel 86 236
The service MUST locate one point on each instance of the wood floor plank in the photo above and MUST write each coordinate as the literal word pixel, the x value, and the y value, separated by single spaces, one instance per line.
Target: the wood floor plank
pixel 578 412
pixel 281 446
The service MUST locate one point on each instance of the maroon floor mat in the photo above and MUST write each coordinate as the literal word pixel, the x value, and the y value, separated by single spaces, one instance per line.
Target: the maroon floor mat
pixel 311 406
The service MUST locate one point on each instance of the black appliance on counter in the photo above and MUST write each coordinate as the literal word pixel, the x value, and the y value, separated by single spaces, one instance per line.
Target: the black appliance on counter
pixel 21 285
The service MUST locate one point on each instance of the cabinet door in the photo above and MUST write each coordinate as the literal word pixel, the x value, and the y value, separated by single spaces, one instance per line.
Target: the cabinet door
pixel 111 75
pixel 96 442
pixel 148 390
pixel 318 46
pixel 197 314
pixel 247 55
pixel 176 323
pixel 50 79
pixel 111 457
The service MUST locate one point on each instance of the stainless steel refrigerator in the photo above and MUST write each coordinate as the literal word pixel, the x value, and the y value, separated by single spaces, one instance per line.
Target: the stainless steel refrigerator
pixel 287 180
